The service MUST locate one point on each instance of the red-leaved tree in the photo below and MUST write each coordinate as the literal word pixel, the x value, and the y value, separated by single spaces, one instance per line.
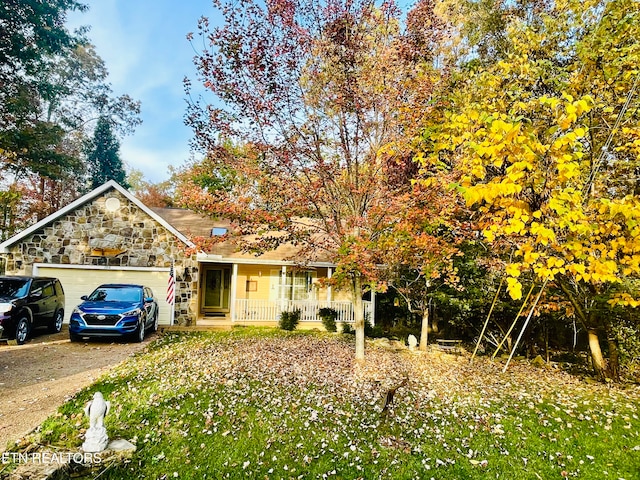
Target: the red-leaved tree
pixel 312 97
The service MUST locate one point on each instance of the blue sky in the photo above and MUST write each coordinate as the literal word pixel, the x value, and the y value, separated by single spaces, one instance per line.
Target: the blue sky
pixel 144 46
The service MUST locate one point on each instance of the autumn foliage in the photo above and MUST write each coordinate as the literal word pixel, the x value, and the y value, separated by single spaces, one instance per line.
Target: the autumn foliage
pixel 309 131
pixel 381 138
pixel 543 137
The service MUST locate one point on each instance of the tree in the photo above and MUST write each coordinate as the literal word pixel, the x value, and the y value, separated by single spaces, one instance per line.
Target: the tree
pixel 478 29
pixel 544 136
pixel 313 91
pixel 9 203
pixel 103 156
pixel 159 195
pixel 52 89
pixel 32 33
pixel 419 248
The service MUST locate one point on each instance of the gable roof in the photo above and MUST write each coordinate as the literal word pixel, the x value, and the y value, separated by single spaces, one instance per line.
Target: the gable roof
pixel 193 224
pixel 182 223
pixel 188 222
pixel 97 192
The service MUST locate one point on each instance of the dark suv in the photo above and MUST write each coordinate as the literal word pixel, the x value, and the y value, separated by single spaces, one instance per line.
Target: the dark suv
pixel 29 302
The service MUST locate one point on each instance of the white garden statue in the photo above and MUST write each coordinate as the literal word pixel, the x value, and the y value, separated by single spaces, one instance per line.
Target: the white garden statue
pixel 413 342
pixel 96 439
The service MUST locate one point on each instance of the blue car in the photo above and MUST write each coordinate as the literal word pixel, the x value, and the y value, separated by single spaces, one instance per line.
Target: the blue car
pixel 115 310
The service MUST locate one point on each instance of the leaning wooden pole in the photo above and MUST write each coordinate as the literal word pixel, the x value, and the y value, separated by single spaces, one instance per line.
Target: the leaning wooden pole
pixel 524 327
pixel 514 322
pixel 486 322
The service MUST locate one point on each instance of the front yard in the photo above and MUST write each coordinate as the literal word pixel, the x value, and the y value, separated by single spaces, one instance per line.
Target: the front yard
pixel 260 403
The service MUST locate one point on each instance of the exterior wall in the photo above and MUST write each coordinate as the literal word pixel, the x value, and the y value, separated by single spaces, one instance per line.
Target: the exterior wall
pixel 260 274
pixel 128 237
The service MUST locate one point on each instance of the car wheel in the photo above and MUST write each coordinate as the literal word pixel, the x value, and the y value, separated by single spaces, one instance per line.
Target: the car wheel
pixel 56 325
pixel 154 327
pixel 22 330
pixel 140 332
pixel 74 338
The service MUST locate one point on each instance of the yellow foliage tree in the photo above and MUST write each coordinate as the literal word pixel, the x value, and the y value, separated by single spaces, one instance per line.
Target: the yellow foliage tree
pixel 549 144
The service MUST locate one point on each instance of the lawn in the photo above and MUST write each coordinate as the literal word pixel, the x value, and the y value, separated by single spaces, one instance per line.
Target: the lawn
pixel 261 403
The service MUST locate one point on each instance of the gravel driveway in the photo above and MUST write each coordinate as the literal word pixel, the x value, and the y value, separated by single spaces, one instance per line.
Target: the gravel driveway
pixel 36 378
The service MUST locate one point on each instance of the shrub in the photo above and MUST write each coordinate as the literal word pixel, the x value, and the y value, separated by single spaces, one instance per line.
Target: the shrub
pixel 371 331
pixel 347 328
pixel 628 337
pixel 328 317
pixel 289 320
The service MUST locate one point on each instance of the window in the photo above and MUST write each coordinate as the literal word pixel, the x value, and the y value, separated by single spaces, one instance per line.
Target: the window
pixel 43 289
pixel 13 288
pixel 298 285
pixel 218 231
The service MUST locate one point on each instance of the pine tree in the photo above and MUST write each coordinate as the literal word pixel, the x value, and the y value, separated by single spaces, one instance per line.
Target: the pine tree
pixel 103 157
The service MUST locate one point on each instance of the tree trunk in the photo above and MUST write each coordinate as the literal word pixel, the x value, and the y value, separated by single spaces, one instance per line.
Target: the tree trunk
pixel 599 365
pixel 614 360
pixel 358 314
pixel 588 320
pixel 424 331
pixel 434 321
pixel 613 369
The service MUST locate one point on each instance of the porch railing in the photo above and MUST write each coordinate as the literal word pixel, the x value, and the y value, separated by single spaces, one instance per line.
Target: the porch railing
pixel 265 310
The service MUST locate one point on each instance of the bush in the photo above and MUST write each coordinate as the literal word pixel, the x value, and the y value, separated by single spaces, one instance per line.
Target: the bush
pixel 328 317
pixel 628 337
pixel 289 320
pixel 369 330
pixel 347 328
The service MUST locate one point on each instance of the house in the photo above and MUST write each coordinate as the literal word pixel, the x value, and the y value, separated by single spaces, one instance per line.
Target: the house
pixel 108 236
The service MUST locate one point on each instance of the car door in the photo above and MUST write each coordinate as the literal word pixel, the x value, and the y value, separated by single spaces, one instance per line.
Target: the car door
pixel 50 302
pixel 41 301
pixel 149 306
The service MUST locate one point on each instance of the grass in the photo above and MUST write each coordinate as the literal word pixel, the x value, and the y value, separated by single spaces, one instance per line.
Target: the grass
pixel 262 403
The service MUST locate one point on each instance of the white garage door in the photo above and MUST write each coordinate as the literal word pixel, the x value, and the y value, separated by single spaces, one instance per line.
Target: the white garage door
pixel 82 281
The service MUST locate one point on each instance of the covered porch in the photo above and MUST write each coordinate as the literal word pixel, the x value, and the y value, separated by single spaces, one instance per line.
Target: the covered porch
pixel 243 293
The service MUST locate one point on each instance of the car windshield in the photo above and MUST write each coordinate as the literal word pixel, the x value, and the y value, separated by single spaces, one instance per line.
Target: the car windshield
pixel 13 287
pixel 116 294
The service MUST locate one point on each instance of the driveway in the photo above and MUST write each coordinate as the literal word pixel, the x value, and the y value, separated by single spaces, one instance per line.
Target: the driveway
pixel 36 378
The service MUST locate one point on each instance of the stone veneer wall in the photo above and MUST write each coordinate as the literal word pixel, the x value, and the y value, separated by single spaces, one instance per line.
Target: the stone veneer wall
pixel 72 239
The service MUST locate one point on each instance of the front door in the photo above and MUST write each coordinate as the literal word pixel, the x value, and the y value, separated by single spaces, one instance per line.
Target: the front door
pixel 216 286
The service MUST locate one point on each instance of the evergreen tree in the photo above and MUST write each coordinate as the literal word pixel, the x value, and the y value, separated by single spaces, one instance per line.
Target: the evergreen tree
pixel 103 157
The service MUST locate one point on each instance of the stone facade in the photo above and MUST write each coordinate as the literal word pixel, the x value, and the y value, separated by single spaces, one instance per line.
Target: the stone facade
pixel 125 237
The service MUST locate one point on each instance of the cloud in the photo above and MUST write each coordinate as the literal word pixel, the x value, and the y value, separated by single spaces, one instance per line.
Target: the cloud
pixel 152 162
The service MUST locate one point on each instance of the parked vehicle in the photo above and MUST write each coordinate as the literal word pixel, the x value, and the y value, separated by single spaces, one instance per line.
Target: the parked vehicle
pixel 30 302
pixel 115 310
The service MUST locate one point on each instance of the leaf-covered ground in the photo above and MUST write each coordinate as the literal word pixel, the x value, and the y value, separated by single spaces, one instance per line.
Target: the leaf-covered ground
pixel 265 404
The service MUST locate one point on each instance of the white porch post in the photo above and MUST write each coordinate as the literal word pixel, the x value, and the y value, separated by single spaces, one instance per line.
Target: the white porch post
pixel 283 284
pixel 234 291
pixel 329 291
pixel 373 307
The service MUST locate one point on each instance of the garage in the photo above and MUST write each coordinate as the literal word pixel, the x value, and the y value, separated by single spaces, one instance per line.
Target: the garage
pixel 82 280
